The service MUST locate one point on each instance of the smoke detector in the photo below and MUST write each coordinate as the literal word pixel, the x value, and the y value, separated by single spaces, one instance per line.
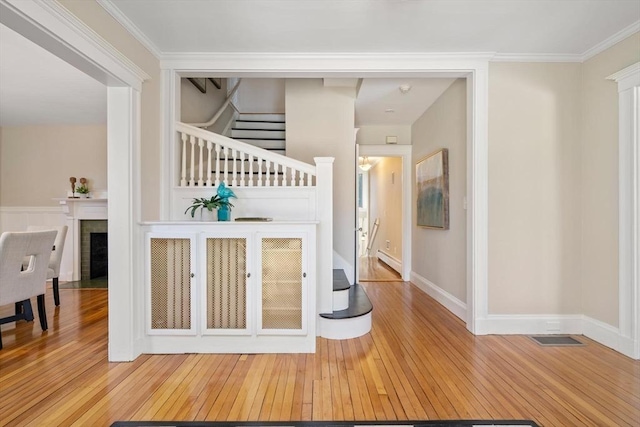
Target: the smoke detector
pixel 404 88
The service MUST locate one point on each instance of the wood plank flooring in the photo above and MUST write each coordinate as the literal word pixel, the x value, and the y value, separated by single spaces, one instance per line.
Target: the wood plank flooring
pixel 419 362
pixel 371 269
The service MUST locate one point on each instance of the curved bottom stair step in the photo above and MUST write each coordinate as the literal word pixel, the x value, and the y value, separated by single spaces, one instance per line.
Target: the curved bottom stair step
pixel 351 322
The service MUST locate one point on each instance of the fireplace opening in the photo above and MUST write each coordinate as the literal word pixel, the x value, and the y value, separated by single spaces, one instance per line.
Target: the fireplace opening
pixel 94 261
pixel 99 264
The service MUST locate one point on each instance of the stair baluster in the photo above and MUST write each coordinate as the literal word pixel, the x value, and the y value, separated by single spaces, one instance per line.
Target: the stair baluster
pixel 209 148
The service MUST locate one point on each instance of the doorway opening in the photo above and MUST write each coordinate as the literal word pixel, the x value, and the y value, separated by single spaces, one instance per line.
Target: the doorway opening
pixel 379 219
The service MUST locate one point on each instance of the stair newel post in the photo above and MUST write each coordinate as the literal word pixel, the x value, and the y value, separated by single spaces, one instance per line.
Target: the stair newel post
pixel 209 147
pixel 324 191
pixel 234 173
pixel 200 162
pixel 192 141
pixel 183 172
pixel 217 182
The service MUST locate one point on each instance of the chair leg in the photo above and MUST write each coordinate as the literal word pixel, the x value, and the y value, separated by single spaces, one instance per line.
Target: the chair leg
pixel 42 312
pixel 27 310
pixel 56 291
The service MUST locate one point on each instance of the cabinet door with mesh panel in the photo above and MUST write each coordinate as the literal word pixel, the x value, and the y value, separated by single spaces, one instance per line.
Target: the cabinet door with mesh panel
pixel 170 285
pixel 227 295
pixel 283 297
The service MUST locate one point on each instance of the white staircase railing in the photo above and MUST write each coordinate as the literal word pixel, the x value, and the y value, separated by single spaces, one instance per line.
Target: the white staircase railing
pixel 207 159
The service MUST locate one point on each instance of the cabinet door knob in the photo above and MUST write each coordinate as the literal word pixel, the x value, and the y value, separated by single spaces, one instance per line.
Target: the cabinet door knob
pixel 304 274
pixel 248 275
pixel 193 275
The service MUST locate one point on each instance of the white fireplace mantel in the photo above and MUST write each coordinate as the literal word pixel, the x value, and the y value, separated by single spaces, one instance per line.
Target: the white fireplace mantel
pixel 77 210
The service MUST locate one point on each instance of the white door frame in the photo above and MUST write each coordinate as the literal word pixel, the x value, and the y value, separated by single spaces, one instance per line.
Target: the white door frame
pixel 404 152
pixel 51 26
pixel 473 67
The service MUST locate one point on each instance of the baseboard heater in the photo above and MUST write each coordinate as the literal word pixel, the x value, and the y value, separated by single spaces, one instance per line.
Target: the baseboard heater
pixel 392 262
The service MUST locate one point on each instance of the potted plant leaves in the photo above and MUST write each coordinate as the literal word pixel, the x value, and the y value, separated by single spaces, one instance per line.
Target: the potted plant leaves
pixel 219 202
pixel 83 191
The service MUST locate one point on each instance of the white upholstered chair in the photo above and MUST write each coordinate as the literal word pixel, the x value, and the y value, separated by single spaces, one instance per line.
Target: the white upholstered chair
pixel 18 285
pixel 53 271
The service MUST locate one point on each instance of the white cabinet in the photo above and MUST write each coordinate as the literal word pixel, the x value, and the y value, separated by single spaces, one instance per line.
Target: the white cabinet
pixel 230 287
pixel 283 284
pixel 171 289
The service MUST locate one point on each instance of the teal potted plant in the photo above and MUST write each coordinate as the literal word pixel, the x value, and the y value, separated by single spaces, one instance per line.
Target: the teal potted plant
pixel 224 211
pixel 219 202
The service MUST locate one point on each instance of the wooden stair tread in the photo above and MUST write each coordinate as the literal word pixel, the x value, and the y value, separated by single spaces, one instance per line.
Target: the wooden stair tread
pixel 359 305
pixel 340 282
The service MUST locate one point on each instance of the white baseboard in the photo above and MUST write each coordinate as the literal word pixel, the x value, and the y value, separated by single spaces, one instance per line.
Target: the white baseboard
pixel 610 336
pixel 340 263
pixel 392 262
pixel 530 324
pixel 450 302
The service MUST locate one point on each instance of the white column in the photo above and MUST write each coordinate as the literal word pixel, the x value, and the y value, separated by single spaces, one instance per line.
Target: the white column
pixel 478 200
pixel 123 116
pixel 629 198
pixel 324 212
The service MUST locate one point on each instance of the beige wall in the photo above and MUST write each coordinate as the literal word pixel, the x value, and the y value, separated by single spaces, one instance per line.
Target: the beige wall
pixel 385 202
pixel 93 15
pixel 440 255
pixel 534 188
pixel 599 167
pixel 261 96
pixel 198 107
pixel 378 134
pixel 320 123
pixel 37 161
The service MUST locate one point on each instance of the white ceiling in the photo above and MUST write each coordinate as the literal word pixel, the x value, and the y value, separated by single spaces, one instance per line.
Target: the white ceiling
pixel 502 26
pixel 38 88
pixel 378 96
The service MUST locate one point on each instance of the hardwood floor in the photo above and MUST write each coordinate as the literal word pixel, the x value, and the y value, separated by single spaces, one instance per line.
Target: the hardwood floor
pixel 418 362
pixel 373 270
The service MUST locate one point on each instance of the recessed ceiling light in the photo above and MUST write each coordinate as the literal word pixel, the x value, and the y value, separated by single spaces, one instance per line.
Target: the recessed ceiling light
pixel 389 110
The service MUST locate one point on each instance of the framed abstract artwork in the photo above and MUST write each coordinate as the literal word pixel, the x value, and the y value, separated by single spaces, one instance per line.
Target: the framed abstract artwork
pixel 432 182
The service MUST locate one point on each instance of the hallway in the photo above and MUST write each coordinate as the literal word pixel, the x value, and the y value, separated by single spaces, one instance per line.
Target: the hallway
pixel 373 270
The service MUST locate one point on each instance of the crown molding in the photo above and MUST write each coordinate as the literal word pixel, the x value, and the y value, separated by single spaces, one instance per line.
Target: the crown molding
pixel 117 14
pixel 73 40
pixel 607 43
pixel 309 64
pixel 536 57
pixel 631 70
pixel 88 34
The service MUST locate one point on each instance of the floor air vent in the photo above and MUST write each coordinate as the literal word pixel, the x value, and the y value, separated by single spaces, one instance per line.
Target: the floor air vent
pixel 556 341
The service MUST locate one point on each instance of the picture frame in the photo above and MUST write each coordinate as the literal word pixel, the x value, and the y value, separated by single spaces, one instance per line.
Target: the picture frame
pixel 432 190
